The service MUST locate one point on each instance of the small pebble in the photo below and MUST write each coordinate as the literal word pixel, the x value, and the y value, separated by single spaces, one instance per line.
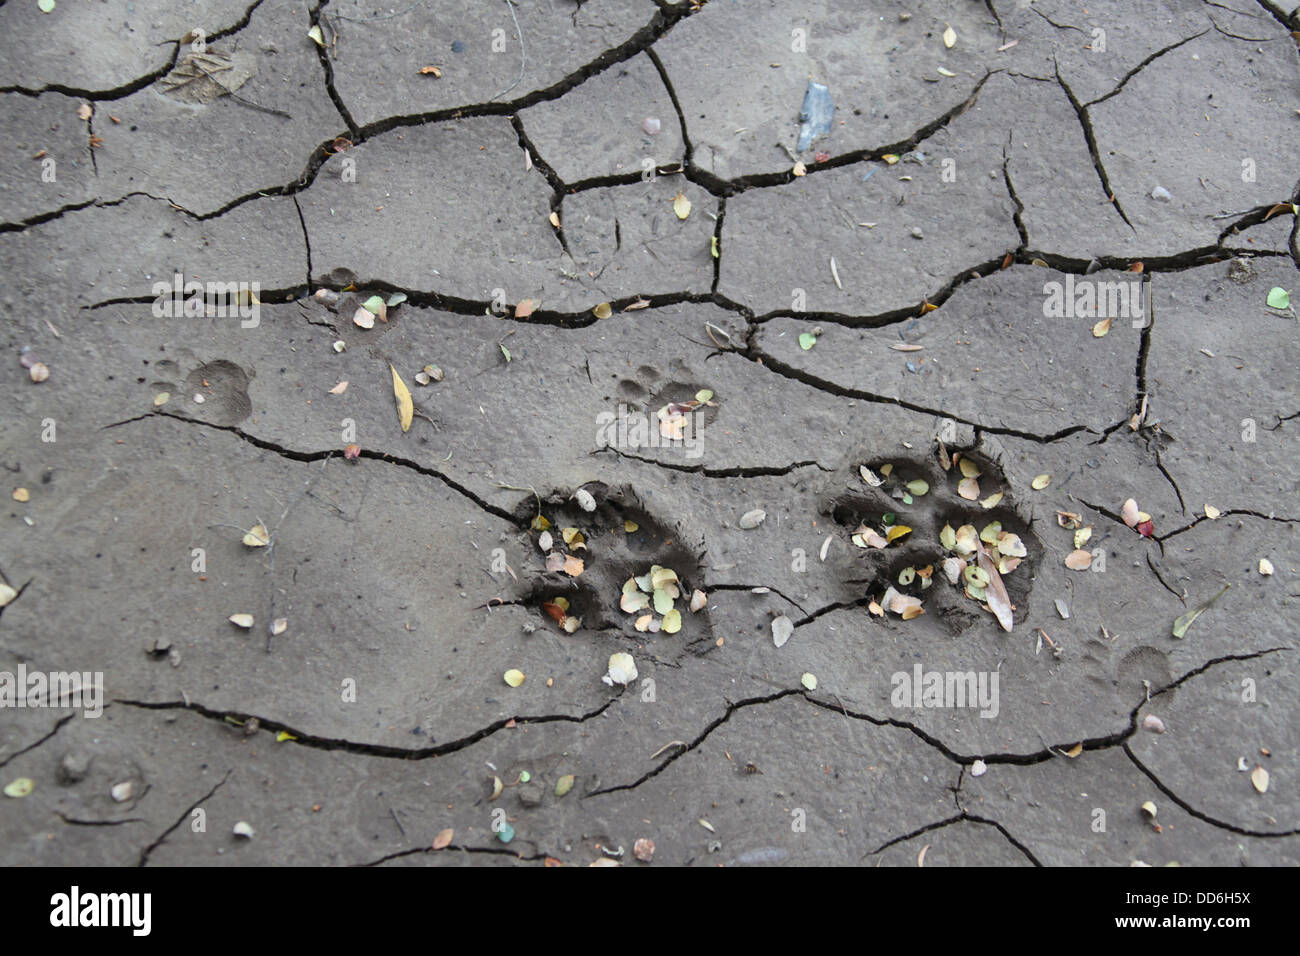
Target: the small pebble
pixel 916 233
pixel 199 399
pixel 1161 194
pixel 650 124
pixel 122 791
pixel 1153 723
pixel 978 768
pixel 74 766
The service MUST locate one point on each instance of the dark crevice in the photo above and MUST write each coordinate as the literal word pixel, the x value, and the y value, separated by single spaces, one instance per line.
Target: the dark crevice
pixel 1289 20
pixel 780 368
pixel 1137 69
pixel 731 187
pixel 736 471
pixel 306 240
pixel 1085 122
pixel 680 751
pixel 322 54
pixel 963 817
pixel 162 838
pixel 1019 214
pixel 1198 814
pixel 750 588
pixel 32 746
pixel 313 456
pixel 456 848
pixel 304 739
pixel 1222 514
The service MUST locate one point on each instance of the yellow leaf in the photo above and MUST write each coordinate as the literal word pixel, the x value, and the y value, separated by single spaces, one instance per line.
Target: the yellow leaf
pixel 681 205
pixel 1101 328
pixel 1075 750
pixel 257 537
pixel 1040 482
pixel 405 409
pixel 316 37
pixel 896 532
pixel 949 37
pixel 602 311
pixel 555 219
pixel 514 677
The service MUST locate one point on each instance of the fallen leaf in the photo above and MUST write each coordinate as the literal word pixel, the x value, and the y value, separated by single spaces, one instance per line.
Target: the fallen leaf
pixel 554 219
pixel 1101 328
pixel 1265 566
pixel 1079 560
pixel 681 205
pixel 799 169
pixel 443 839
pixel 1075 750
pixel 1279 298
pixel 672 621
pixel 949 37
pixel 1185 621
pixel 1040 482
pixel 431 71
pixel 602 311
pixel 85 111
pixel 405 408
pixel 573 566
pixel 809 681
pixel 564 784
pixel 22 786
pixel 1212 512
pixel 364 317
pixel 7 594
pixel 622 669
pixel 968 488
pixel 514 677
pixel 998 600
pixel 241 620
pixel 316 36
pixel 1129 512
pixel 1259 778
pixel 644 850
pixel 807 340
pixel 782 628
pixel 339 389
pixel 525 308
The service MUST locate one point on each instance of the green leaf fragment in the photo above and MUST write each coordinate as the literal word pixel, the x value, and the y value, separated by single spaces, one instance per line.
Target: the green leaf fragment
pixel 564 785
pixel 1185 621
pixel 20 787
pixel 1279 298
pixel 807 340
pixel 918 487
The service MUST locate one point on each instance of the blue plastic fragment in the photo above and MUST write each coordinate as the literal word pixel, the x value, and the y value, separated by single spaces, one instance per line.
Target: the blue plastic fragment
pixel 816 114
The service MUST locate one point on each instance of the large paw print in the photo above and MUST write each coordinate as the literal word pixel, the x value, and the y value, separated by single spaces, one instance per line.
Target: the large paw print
pixel 934 540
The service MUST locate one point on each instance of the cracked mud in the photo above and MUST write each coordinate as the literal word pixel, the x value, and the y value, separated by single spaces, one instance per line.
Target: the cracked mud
pixel 511 179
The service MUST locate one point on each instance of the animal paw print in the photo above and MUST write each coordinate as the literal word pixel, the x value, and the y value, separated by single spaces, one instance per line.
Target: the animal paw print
pixel 935 537
pixel 589 545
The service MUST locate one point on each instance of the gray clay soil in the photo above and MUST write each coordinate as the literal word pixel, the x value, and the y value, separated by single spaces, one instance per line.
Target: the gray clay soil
pixel 518 174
